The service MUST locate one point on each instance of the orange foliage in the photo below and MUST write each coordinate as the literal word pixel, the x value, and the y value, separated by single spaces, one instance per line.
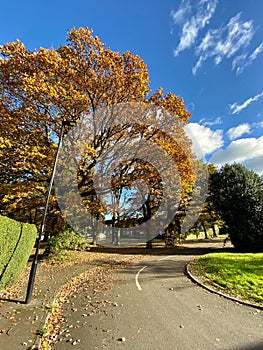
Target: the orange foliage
pixel 42 88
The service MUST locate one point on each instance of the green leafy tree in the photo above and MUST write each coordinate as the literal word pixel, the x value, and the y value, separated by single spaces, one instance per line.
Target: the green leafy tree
pixel 209 217
pixel 237 194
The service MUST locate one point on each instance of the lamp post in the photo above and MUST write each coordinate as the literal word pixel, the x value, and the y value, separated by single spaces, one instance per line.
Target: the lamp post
pixel 41 230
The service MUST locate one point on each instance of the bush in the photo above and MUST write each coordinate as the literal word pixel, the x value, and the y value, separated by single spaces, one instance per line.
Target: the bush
pixel 58 245
pixel 16 243
pixel 237 194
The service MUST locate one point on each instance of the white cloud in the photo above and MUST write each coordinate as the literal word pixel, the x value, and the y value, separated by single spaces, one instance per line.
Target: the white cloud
pixel 198 64
pixel 238 131
pixel 248 151
pixel 218 59
pixel 189 34
pixel 178 16
pixel 206 122
pixel 236 109
pixel 194 24
pixel 239 63
pixel 229 41
pixel 256 52
pixel 242 61
pixel 225 42
pixel 205 141
pixel 255 164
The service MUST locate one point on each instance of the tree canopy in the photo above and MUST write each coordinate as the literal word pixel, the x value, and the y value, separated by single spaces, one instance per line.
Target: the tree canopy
pixel 42 88
pixel 237 194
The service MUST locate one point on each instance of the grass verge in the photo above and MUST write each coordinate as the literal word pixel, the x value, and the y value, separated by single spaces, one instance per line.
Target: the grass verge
pixel 236 274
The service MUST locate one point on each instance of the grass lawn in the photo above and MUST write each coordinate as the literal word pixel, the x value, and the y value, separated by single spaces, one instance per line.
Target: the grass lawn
pixel 237 274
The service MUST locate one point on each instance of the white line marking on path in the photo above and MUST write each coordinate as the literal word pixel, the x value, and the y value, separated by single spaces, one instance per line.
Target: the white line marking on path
pixel 137 278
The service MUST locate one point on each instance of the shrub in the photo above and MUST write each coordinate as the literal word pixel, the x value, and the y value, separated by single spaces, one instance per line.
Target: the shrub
pixel 16 243
pixel 58 245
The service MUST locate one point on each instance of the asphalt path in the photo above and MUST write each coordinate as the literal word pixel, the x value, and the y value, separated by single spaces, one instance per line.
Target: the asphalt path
pixel 155 306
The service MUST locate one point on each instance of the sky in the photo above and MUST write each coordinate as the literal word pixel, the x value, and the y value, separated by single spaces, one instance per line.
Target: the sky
pixel 209 52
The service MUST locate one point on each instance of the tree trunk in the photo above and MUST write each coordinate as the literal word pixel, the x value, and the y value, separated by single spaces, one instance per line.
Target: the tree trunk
pixel 205 231
pixel 95 229
pixel 214 231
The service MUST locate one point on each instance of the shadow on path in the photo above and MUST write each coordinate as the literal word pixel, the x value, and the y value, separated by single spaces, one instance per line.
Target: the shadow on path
pixel 252 347
pixel 188 247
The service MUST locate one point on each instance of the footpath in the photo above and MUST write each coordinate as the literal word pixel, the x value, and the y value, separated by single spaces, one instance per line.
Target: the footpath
pixel 22 325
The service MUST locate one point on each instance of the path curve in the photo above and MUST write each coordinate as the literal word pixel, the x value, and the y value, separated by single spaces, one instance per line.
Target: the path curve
pixel 196 280
pixel 169 312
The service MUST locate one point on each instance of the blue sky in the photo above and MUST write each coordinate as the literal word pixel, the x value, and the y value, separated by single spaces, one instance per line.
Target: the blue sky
pixel 210 52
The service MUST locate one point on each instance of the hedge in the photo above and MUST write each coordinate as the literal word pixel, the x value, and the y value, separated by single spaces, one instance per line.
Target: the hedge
pixel 16 243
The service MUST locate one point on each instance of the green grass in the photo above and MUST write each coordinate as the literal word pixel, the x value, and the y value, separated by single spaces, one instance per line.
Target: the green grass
pixel 240 275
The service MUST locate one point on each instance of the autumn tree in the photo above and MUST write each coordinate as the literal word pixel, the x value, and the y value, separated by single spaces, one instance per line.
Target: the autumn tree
pixel 191 206
pixel 42 88
pixel 136 157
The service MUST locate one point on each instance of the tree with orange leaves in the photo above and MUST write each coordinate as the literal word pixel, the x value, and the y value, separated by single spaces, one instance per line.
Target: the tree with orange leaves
pixel 42 88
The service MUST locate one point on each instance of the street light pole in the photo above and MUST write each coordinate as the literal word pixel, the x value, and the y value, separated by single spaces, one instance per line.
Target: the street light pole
pixel 41 230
